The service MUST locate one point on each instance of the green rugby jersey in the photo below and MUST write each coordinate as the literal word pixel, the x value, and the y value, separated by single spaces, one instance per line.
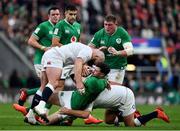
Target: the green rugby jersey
pixel 116 40
pixel 93 87
pixel 44 34
pixel 66 32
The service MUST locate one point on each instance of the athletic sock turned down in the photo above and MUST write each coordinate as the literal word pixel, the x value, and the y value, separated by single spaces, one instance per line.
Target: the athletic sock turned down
pixel 36 99
pixel 145 118
pixel 47 92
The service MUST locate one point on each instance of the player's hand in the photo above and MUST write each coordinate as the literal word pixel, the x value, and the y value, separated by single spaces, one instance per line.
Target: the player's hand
pixel 103 48
pixel 64 110
pixel 113 51
pixel 86 70
pixel 81 91
pixel 47 48
pixel 80 87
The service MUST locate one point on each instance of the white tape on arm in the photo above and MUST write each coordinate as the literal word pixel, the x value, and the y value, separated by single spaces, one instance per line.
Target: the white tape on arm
pixel 128 47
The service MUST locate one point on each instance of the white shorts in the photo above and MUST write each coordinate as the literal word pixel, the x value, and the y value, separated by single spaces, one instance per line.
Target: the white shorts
pixel 52 59
pixel 116 75
pixel 65 98
pixel 129 106
pixel 38 68
pixel 118 98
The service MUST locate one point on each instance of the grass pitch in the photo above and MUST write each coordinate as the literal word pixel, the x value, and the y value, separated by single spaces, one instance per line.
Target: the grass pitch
pixel 13 120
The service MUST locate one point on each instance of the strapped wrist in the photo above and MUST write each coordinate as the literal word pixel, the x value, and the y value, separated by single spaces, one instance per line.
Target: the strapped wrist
pixel 42 47
pixel 119 53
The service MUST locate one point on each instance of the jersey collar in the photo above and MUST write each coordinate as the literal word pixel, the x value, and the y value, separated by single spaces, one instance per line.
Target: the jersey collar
pixel 51 23
pixel 68 22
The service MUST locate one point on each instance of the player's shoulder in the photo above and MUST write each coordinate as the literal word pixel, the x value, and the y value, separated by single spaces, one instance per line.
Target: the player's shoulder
pixel 100 32
pixel 43 24
pixel 121 29
pixel 76 23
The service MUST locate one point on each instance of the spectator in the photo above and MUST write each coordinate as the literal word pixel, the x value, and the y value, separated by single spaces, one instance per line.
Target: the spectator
pixel 15 80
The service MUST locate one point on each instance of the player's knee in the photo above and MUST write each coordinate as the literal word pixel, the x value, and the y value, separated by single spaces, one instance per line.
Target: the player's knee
pixel 54 84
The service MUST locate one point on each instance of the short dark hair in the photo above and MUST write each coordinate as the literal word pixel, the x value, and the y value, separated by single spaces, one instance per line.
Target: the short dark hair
pixel 70 7
pixel 104 68
pixel 109 18
pixel 52 8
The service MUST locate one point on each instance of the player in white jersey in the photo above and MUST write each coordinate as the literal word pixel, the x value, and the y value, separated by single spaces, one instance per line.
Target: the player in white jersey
pixel 110 99
pixel 53 62
pixel 118 100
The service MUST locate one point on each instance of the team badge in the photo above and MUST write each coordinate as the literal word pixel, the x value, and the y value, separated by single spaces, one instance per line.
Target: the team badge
pixel 73 39
pixel 118 40
pixel 50 32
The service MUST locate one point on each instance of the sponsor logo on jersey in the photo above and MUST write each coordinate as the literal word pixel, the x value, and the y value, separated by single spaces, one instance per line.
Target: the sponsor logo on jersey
pixel 102 42
pixel 118 40
pixel 92 39
pixel 78 31
pixel 56 31
pixel 50 32
pixel 37 30
pixel 67 31
pixel 73 39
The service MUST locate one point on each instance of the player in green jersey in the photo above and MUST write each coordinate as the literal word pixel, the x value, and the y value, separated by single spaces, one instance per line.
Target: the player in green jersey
pixel 93 84
pixel 67 30
pixel 41 40
pixel 116 43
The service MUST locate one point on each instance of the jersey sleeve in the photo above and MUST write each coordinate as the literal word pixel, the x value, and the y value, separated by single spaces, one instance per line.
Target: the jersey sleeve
pixel 95 85
pixel 125 37
pixel 39 31
pixel 95 41
pixel 85 54
pixel 58 30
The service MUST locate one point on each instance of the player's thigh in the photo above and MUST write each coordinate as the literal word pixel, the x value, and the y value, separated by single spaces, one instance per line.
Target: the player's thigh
pixel 54 99
pixel 129 120
pixel 129 106
pixel 53 75
pixel 60 85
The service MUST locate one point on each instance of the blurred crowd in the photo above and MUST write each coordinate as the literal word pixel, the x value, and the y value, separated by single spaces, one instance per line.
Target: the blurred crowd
pixel 141 18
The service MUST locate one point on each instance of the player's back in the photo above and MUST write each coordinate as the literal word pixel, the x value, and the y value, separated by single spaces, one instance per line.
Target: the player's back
pixel 112 98
pixel 71 51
